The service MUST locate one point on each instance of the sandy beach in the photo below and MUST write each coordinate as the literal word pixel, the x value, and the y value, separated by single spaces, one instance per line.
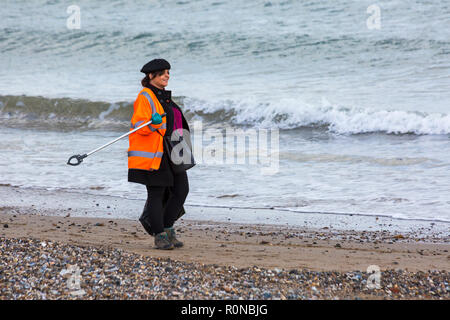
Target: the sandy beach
pixel 420 254
pixel 237 245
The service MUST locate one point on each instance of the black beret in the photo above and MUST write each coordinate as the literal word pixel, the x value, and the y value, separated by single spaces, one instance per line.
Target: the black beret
pixel 155 65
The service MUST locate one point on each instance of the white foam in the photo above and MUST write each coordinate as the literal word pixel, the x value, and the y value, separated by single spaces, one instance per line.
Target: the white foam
pixel 111 108
pixel 290 113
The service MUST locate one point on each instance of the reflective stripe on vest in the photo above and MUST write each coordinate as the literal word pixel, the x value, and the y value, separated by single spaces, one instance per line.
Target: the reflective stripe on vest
pixel 145 154
pixel 137 124
pixel 163 126
pixel 150 100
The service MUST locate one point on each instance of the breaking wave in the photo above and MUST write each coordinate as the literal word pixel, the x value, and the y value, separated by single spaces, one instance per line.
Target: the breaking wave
pixel 292 114
pixel 60 113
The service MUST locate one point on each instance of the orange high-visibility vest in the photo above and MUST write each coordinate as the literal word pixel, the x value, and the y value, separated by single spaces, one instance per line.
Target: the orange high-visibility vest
pixel 146 145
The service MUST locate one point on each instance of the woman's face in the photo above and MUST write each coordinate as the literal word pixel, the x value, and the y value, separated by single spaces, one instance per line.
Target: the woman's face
pixel 162 80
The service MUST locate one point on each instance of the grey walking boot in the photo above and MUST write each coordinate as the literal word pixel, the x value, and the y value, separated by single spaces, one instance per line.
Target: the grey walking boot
pixel 172 237
pixel 162 241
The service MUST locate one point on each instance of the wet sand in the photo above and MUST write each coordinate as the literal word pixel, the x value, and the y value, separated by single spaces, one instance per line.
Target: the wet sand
pixel 43 233
pixel 237 245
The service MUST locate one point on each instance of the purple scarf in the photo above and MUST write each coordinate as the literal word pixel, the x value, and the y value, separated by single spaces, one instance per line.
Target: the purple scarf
pixel 177 121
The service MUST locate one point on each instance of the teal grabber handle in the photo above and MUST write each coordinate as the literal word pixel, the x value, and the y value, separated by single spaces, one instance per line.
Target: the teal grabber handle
pixel 79 157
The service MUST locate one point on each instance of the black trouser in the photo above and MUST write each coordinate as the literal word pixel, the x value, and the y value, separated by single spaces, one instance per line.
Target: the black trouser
pixel 158 217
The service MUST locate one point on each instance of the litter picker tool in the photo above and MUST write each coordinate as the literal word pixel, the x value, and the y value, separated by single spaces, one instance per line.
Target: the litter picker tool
pixel 79 157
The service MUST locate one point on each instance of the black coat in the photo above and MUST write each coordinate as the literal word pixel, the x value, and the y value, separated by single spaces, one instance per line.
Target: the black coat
pixel 163 176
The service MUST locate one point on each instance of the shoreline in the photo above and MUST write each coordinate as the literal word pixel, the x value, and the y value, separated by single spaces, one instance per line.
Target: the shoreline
pixel 227 236
pixel 62 202
pixel 241 245
pixel 117 260
pixel 45 233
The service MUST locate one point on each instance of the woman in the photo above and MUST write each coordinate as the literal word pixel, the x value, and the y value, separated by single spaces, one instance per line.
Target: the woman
pixel 148 161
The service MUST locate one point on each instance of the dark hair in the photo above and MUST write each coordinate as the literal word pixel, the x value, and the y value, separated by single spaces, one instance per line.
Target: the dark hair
pixel 146 80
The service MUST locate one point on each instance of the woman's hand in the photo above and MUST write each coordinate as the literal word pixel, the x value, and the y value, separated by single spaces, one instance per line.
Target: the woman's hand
pixel 156 118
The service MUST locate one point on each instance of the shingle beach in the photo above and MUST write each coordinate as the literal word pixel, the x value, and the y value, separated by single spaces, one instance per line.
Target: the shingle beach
pixel 115 259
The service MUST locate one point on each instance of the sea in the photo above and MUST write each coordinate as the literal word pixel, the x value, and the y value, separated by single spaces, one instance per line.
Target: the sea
pixel 355 96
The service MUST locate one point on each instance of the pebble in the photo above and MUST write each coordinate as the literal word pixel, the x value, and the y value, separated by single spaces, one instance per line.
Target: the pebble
pixel 30 270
